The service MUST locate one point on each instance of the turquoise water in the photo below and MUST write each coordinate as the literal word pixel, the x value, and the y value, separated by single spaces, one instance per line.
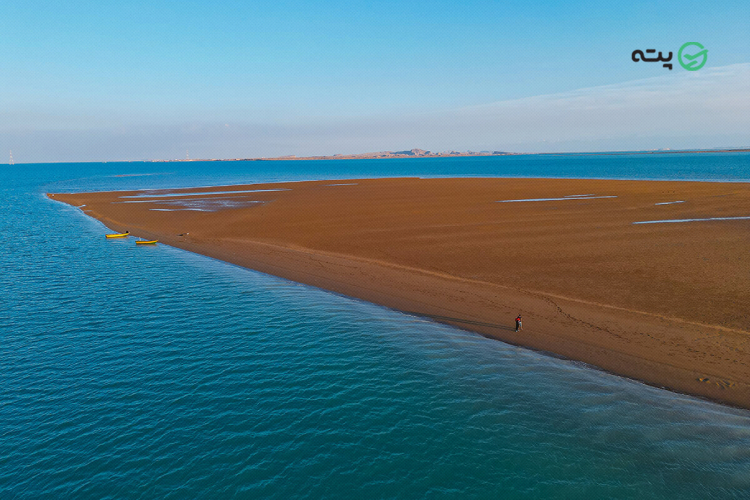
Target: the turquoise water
pixel 154 373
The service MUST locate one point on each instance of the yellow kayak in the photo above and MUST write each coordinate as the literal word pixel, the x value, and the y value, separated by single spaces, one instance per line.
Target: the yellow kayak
pixel 119 235
pixel 152 242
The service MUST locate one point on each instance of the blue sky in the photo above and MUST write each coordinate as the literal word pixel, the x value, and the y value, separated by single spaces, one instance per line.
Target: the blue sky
pixel 142 80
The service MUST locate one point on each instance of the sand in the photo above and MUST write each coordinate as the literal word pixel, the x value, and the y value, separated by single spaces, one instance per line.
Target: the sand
pixel 667 303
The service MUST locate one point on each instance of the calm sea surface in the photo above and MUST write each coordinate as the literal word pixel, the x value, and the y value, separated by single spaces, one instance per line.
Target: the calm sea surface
pixel 154 373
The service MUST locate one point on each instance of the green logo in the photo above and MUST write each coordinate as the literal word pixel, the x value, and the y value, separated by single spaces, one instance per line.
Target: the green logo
pixel 695 61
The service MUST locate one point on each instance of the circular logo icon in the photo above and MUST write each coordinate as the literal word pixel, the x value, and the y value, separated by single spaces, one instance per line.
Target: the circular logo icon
pixel 692 62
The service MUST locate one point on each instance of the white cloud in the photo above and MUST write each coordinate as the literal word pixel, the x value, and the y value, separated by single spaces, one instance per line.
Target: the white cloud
pixel 711 102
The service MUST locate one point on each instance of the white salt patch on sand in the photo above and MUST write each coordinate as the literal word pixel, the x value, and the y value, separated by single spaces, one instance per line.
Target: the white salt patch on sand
pixel 178 209
pixel 670 202
pixel 142 201
pixel 577 197
pixel 204 200
pixel 667 221
pixel 207 193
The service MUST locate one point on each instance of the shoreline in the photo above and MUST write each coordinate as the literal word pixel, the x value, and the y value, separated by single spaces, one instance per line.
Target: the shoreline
pixel 675 352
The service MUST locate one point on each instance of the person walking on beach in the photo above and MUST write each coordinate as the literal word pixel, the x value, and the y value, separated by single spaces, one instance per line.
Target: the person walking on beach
pixel 519 324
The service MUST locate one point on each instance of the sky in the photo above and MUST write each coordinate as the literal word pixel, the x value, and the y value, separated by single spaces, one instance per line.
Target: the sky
pixel 136 80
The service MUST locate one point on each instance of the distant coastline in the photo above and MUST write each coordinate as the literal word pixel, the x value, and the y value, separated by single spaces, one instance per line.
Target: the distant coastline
pixel 421 153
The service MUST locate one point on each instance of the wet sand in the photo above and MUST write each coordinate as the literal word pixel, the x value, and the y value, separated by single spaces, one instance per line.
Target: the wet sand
pixel 667 303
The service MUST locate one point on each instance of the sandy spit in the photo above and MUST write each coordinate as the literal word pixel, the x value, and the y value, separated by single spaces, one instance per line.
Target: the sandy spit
pixel 667 304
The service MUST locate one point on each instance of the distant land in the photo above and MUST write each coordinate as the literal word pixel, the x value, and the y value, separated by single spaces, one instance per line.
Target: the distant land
pixel 412 153
pixel 421 153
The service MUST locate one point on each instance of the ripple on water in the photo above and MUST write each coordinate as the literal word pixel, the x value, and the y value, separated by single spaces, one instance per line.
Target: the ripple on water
pixel 165 374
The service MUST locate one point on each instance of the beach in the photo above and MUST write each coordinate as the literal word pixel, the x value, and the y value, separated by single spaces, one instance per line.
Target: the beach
pixel 645 279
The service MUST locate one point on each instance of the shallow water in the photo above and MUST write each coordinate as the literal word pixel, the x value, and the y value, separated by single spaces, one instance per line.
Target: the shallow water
pixel 673 221
pixel 669 202
pixel 572 197
pixel 150 372
pixel 204 204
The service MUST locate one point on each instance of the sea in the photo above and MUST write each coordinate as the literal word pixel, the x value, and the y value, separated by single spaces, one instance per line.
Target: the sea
pixel 153 373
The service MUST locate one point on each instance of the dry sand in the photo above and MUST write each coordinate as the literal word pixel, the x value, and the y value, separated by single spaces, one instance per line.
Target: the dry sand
pixel 665 303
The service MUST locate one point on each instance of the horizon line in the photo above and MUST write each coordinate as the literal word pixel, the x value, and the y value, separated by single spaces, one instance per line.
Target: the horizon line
pixel 389 155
